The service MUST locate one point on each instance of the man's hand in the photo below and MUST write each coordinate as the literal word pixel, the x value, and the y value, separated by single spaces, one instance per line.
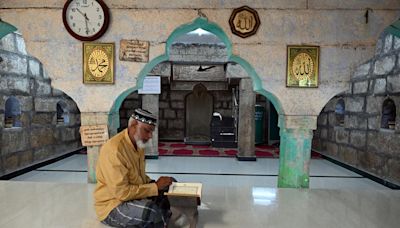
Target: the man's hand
pixel 163 182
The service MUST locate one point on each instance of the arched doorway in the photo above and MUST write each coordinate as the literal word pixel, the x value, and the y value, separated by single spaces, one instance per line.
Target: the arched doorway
pixel 251 81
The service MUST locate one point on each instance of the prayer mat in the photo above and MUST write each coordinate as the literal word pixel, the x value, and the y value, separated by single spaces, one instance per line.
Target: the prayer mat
pixel 182 149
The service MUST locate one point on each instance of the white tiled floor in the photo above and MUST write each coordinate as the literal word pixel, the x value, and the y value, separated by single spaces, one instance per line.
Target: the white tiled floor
pixel 212 171
pixel 235 194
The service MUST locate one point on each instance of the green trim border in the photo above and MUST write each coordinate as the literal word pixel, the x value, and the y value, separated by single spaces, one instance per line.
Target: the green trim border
pixel 6 28
pixel 203 23
pixel 394 28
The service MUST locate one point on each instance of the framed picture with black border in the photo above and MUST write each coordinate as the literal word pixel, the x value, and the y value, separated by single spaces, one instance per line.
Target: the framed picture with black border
pixel 302 66
pixel 98 63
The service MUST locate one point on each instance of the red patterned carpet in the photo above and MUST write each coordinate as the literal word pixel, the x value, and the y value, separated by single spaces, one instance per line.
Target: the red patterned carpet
pixel 181 149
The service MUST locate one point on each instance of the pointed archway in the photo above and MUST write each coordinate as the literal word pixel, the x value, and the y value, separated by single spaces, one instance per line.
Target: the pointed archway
pixel 254 80
pixel 202 23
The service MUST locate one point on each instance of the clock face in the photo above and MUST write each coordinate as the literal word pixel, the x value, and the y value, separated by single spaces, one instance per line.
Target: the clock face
pixel 86 19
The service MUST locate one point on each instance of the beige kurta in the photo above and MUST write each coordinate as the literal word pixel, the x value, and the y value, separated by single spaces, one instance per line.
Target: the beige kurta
pixel 121 176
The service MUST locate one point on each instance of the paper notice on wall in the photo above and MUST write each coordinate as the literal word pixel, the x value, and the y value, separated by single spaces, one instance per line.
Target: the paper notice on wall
pixel 94 135
pixel 151 85
pixel 134 51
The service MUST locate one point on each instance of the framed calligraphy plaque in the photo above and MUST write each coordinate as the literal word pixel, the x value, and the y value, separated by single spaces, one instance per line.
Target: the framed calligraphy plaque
pixel 244 21
pixel 302 66
pixel 98 63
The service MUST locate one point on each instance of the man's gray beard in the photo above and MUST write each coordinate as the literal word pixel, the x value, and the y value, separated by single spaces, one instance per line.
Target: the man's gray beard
pixel 140 144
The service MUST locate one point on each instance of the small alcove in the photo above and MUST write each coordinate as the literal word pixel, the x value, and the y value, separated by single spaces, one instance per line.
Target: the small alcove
pixel 388 120
pixel 199 108
pixel 339 112
pixel 62 114
pixel 12 117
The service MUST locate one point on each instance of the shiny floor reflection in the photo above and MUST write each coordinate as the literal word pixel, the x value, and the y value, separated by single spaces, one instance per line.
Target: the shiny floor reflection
pixel 235 194
pixel 38 204
pixel 212 171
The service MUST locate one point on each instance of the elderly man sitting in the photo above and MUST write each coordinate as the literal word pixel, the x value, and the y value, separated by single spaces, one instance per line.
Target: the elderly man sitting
pixel 125 196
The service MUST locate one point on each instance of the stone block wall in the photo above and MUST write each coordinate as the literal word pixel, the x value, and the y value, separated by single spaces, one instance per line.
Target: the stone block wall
pixel 361 142
pixel 172 113
pixel 131 102
pixel 172 109
pixel 42 135
pixel 198 53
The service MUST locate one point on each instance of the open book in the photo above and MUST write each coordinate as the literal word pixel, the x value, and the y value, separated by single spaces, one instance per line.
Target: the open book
pixel 184 194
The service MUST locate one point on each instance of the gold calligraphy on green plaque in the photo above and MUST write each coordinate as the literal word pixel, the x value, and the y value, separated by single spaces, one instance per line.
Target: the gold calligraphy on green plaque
pixel 302 66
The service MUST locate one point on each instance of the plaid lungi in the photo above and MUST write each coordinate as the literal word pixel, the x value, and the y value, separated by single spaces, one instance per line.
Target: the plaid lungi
pixel 140 213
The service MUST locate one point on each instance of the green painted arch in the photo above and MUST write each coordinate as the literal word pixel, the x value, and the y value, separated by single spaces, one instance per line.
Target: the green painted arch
pixel 113 117
pixel 257 83
pixel 203 23
pixel 394 28
pixel 6 28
